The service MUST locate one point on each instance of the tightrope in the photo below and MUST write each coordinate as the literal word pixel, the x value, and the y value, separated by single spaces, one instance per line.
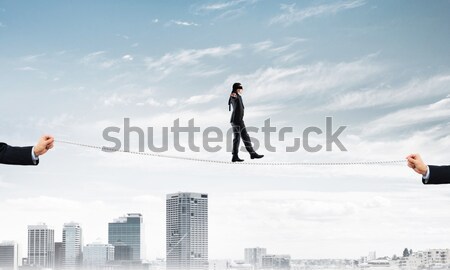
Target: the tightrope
pixel 110 149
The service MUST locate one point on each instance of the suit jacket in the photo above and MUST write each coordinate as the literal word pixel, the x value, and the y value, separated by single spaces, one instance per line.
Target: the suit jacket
pixel 438 175
pixel 237 117
pixel 16 155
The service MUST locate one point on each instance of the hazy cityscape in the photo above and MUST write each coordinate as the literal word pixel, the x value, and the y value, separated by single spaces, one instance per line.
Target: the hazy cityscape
pixel 186 247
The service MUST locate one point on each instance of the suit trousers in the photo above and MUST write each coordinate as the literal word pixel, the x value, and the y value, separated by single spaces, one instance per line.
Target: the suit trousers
pixel 239 131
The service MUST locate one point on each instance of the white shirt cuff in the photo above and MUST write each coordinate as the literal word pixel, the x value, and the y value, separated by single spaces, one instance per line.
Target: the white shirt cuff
pixel 426 177
pixel 33 156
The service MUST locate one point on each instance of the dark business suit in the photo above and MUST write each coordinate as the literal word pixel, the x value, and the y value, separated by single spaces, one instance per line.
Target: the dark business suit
pixel 438 175
pixel 237 122
pixel 16 155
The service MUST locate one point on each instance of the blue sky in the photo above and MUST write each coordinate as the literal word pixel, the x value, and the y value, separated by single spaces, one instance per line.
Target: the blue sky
pixel 379 67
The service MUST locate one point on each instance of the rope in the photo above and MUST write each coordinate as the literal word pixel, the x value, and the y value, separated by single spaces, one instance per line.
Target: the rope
pixel 109 149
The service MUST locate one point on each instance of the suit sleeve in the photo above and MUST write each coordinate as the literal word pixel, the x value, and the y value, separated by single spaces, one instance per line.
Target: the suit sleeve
pixel 438 175
pixel 16 155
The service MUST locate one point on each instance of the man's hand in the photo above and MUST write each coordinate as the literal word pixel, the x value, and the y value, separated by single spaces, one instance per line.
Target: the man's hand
pixel 233 95
pixel 416 163
pixel 44 144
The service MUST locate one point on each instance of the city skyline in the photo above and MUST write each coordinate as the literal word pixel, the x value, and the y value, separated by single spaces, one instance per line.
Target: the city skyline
pixel 253 255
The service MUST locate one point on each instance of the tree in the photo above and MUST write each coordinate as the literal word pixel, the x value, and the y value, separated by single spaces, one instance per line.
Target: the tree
pixel 405 253
pixel 410 252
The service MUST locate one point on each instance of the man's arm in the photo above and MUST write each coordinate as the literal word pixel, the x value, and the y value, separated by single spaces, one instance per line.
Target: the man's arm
pixel 439 175
pixel 25 155
pixel 16 155
pixel 431 175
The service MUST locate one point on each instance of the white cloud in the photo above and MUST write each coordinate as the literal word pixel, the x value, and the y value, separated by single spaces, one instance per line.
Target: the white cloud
pixel 199 99
pixel 155 20
pixel 277 83
pixel 438 111
pixel 262 46
pixel 98 59
pixel 27 68
pixel 224 5
pixel 206 72
pixel 183 23
pixel 225 10
pixel 292 15
pixel 150 101
pixel 171 61
pixel 32 58
pixel 92 56
pixel 390 96
pixel 268 46
pixel 127 57
pixel 123 36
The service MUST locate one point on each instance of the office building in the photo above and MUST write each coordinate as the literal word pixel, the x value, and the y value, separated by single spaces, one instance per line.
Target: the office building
pixel 41 246
pixel 97 255
pixel 187 231
pixel 253 256
pixel 72 245
pixel 128 231
pixel 9 257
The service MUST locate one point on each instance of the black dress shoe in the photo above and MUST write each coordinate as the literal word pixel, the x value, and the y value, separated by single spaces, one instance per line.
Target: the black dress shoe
pixel 255 155
pixel 236 158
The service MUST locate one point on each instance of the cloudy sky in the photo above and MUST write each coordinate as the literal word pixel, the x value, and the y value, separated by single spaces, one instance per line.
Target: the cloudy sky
pixel 379 67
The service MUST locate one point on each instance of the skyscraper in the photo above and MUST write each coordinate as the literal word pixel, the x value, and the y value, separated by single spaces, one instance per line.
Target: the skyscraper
pixel 9 258
pixel 187 231
pixel 72 245
pixel 253 256
pixel 41 246
pixel 97 255
pixel 129 231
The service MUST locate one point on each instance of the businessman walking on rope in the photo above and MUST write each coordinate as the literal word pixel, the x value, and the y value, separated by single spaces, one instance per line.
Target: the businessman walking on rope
pixel 237 122
pixel 28 155
pixel 431 174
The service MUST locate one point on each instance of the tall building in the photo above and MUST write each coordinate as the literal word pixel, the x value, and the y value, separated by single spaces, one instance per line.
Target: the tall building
pixel 253 256
pixel 129 231
pixel 72 245
pixel 41 246
pixel 97 255
pixel 59 255
pixel 187 231
pixel 9 257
